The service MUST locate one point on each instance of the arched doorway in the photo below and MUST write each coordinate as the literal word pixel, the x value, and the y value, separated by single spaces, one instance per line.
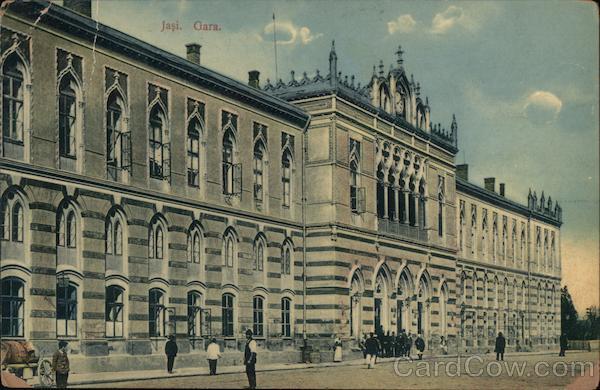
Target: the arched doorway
pixel 356 292
pixel 403 298
pixel 381 303
pixel 423 307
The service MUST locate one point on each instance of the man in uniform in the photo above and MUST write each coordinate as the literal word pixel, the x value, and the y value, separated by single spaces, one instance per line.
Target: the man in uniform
pixel 250 359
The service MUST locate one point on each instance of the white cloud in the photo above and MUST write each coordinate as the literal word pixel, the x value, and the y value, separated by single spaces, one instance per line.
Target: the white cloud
pixel 453 16
pixel 404 24
pixel 288 33
pixel 542 106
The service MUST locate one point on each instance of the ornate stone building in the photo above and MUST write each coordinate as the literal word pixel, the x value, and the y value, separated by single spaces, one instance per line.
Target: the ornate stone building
pixel 143 194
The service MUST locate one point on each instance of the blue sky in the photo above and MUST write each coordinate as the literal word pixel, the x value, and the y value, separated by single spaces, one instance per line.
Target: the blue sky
pixel 521 77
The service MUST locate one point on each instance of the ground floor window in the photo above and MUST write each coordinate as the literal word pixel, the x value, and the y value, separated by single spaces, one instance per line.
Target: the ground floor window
pixel 194 312
pixel 156 313
pixel 13 307
pixel 66 310
pixel 114 311
pixel 227 314
pixel 286 327
pixel 258 316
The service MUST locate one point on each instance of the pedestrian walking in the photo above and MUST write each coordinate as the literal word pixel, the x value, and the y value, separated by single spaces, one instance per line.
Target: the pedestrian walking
pixel 444 345
pixel 250 359
pixel 564 344
pixel 500 345
pixel 420 345
pixel 213 353
pixel 362 345
pixel 60 365
pixel 408 345
pixel 372 347
pixel 171 351
pixel 337 354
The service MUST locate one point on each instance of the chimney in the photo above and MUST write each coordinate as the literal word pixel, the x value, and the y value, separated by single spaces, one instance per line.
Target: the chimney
pixel 462 171
pixel 502 189
pixel 253 78
pixel 193 52
pixel 490 183
pixel 83 7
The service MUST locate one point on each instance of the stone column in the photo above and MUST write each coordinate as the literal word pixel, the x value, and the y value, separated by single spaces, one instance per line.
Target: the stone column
pixel 385 200
pixel 405 201
pixel 416 200
pixel 397 213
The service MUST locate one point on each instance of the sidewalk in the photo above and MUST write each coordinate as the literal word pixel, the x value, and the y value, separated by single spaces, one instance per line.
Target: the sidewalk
pixel 125 376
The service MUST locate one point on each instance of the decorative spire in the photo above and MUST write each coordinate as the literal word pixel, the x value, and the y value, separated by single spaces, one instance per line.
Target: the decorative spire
pixel 399 53
pixel 454 125
pixel 292 74
pixel 380 67
pixel 333 64
pixel 352 81
pixel 412 79
pixel 427 101
pixel 418 89
pixel 374 71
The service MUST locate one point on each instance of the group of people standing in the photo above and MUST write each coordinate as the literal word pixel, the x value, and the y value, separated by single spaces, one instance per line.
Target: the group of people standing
pixel 391 345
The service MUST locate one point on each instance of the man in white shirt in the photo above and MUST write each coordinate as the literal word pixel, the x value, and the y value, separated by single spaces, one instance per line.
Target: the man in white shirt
pixel 213 353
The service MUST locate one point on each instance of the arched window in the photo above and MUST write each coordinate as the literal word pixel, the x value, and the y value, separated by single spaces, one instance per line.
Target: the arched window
pixel 230 169
pixel 494 240
pixel 259 156
pixel 194 246
pixel 286 317
pixel 380 192
pixel 473 230
pixel 67 113
pixel 17 223
pixel 443 310
pixel 258 317
pixel 159 144
pixel 193 151
pixel 229 250
pixel 354 199
pixel 194 310
pixel 286 259
pixel 118 137
pixel 114 236
pixel 66 310
pixel 227 314
pixel 513 241
pixel 156 240
pixel 13 307
pixel 441 193
pixel 71 230
pixel 286 177
pixel 157 319
pixel 113 312
pixel 523 242
pixel 13 99
pixel 484 235
pixel 259 254
pixel 5 219
pixel 67 227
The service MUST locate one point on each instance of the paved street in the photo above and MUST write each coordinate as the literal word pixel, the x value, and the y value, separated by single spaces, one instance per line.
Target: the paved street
pixel 384 376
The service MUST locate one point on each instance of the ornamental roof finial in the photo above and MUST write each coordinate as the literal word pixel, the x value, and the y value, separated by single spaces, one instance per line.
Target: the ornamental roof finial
pixel 381 67
pixel 399 53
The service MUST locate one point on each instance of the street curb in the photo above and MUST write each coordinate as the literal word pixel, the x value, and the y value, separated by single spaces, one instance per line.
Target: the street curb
pixel 293 366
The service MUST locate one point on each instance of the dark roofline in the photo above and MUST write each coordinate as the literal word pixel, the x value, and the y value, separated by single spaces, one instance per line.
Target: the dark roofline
pixel 294 94
pixel 492 197
pixel 85 28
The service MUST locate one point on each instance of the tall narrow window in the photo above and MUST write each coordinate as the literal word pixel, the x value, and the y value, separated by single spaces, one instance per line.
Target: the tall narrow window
pixel 159 243
pixel 157 319
pixel 12 99
pixel 67 113
pixel 156 140
pixel 260 255
pixel 118 238
pixel 194 247
pixel 380 193
pixel 286 260
pixel 71 230
pixel 109 237
pixel 113 311
pixel 229 250
pixel 354 186
pixel 17 222
pixel 5 219
pixel 114 127
pixel 286 325
pixel 13 307
pixel 193 152
pixel 258 172
pixel 258 325
pixel 66 310
pixel 228 165
pixel 194 309
pixel 286 166
pixel 227 314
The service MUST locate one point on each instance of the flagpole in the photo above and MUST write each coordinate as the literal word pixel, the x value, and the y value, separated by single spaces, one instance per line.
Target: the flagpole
pixel 275 46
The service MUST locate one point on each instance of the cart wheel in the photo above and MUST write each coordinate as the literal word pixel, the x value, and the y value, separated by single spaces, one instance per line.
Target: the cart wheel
pixel 45 373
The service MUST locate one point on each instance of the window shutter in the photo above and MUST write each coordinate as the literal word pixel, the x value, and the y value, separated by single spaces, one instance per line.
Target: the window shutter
pixel 237 179
pixel 126 150
pixel 362 199
pixel 167 161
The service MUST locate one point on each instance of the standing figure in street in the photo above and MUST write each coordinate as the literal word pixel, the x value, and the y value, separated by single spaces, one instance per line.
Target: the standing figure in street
pixel 171 351
pixel 500 345
pixel 213 353
pixel 337 345
pixel 444 345
pixel 408 345
pixel 420 344
pixel 372 347
pixel 362 345
pixel 250 359
pixel 564 344
pixel 393 345
pixel 402 342
pixel 60 365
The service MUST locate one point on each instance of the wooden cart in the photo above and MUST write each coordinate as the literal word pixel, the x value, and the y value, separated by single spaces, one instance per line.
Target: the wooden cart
pixel 19 358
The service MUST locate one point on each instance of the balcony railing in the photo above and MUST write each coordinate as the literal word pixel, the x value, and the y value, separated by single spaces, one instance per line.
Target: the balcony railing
pixel 398 229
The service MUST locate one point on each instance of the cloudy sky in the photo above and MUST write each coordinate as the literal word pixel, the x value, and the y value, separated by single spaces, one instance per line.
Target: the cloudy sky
pixel 520 76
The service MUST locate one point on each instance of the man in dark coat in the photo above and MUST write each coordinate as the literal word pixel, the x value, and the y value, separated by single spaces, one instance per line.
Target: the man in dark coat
pixel 171 352
pixel 372 348
pixel 250 359
pixel 564 344
pixel 500 345
pixel 420 345
pixel 393 345
pixel 408 345
pixel 60 365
